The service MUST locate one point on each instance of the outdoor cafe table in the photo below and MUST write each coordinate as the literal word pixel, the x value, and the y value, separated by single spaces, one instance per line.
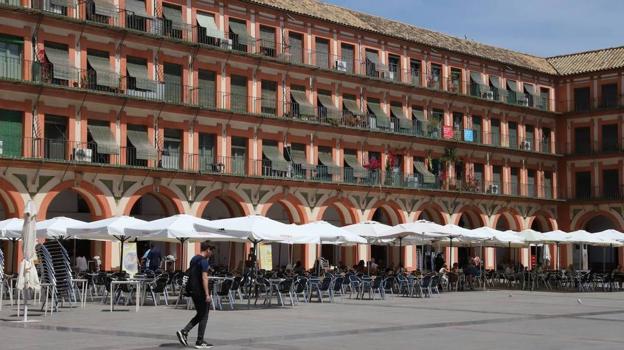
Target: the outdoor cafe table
pixel 137 293
pixel 82 284
pixel 273 284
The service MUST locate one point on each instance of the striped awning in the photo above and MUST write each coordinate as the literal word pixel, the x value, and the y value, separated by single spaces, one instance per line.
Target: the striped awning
pixel 144 149
pixel 60 62
pixel 383 121
pixel 420 167
pixel 352 107
pixel 104 74
pixel 325 157
pixel 208 22
pixel 298 156
pixel 305 107
pixel 404 122
pixel 105 8
pixel 358 171
pixel 240 29
pixel 277 159
pixel 139 72
pixel 332 111
pixel 137 7
pixel 104 139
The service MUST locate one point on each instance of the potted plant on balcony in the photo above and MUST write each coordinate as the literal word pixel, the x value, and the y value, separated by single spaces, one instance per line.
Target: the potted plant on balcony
pixel 392 169
pixel 448 160
pixel 373 167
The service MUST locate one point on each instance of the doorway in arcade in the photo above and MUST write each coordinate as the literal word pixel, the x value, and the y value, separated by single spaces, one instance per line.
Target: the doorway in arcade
pixel 227 255
pixel 71 204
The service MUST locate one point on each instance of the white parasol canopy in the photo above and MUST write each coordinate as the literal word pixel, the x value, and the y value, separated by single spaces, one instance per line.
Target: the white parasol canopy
pixel 28 277
pixel 610 234
pixel 176 228
pixel 56 227
pixel 107 229
pixel 330 234
pixel 255 228
pixel 557 236
pixel 11 228
pixel 500 238
pixel 531 236
pixel 418 230
pixel 370 230
pixel 584 237
pixel 464 234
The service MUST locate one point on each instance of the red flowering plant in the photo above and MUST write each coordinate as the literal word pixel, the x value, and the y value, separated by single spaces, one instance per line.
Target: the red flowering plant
pixel 373 164
pixel 391 162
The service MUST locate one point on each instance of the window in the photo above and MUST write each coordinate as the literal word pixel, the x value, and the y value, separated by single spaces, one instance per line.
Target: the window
pixel 137 81
pixel 11 57
pixel 56 67
pixel 548 187
pixel 543 102
pixel 136 15
pixel 207 88
pixel 394 67
pixel 55 137
pixel 377 117
pixel 101 141
pixel 582 140
pixel 139 147
pixel 415 70
pixel 295 47
pixel 435 77
pixel 372 63
pixel 99 73
pixel 173 24
pixel 477 130
pixel 456 79
pixel 610 138
pixel 436 119
pixel 582 99
pixel 268 104
pixel 497 176
pixel 476 183
pixel 420 123
pixel 532 95
pixel 611 184
pixel 172 149
pixel 207 30
pixel 513 134
pixel 458 125
pixel 609 96
pixel 322 53
pixel 583 185
pixel 173 83
pixel 347 58
pixel 11 133
pixel 529 138
pixel 495 132
pixel 531 188
pixel 300 105
pixel 241 40
pixel 101 11
pixel 238 96
pixel 546 140
pixel 207 154
pixel 514 185
pixel 478 88
pixel 267 41
pixel 499 92
pixel 236 164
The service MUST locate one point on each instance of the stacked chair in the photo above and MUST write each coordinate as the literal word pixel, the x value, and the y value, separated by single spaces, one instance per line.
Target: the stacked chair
pixel 47 277
pixel 62 271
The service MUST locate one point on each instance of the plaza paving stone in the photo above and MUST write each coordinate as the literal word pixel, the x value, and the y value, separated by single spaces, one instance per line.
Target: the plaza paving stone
pixel 466 320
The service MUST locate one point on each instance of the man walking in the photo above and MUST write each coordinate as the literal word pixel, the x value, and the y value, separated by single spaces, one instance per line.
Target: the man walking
pixel 198 281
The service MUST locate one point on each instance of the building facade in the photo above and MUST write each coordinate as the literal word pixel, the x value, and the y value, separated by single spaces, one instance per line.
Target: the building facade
pixel 301 111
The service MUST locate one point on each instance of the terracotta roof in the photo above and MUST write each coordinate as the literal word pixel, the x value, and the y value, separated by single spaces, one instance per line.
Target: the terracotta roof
pixel 408 32
pixel 590 61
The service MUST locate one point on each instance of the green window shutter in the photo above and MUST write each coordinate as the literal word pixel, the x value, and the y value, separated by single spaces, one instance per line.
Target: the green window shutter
pixel 11 133
pixel 207 88
pixel 238 98
pixel 173 82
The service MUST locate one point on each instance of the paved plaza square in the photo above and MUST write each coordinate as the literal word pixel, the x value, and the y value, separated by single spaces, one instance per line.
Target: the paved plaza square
pixel 468 320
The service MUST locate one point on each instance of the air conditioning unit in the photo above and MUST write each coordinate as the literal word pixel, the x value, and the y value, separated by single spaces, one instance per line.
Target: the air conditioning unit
pixel 493 189
pixel 341 65
pixel 83 154
pixel 488 95
pixel 226 43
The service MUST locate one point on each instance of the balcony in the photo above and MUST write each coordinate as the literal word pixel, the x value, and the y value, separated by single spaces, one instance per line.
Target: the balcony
pixel 595 104
pixel 597 193
pixel 607 147
pixel 245 43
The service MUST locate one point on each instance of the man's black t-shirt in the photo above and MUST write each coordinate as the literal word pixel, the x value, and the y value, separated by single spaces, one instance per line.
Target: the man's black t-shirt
pixel 198 265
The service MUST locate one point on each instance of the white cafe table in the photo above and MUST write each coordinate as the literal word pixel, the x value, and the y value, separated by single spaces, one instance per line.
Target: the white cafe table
pixel 82 284
pixel 137 292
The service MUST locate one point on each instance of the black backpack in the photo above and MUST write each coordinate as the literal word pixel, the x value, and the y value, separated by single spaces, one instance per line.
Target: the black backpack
pixel 188 281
